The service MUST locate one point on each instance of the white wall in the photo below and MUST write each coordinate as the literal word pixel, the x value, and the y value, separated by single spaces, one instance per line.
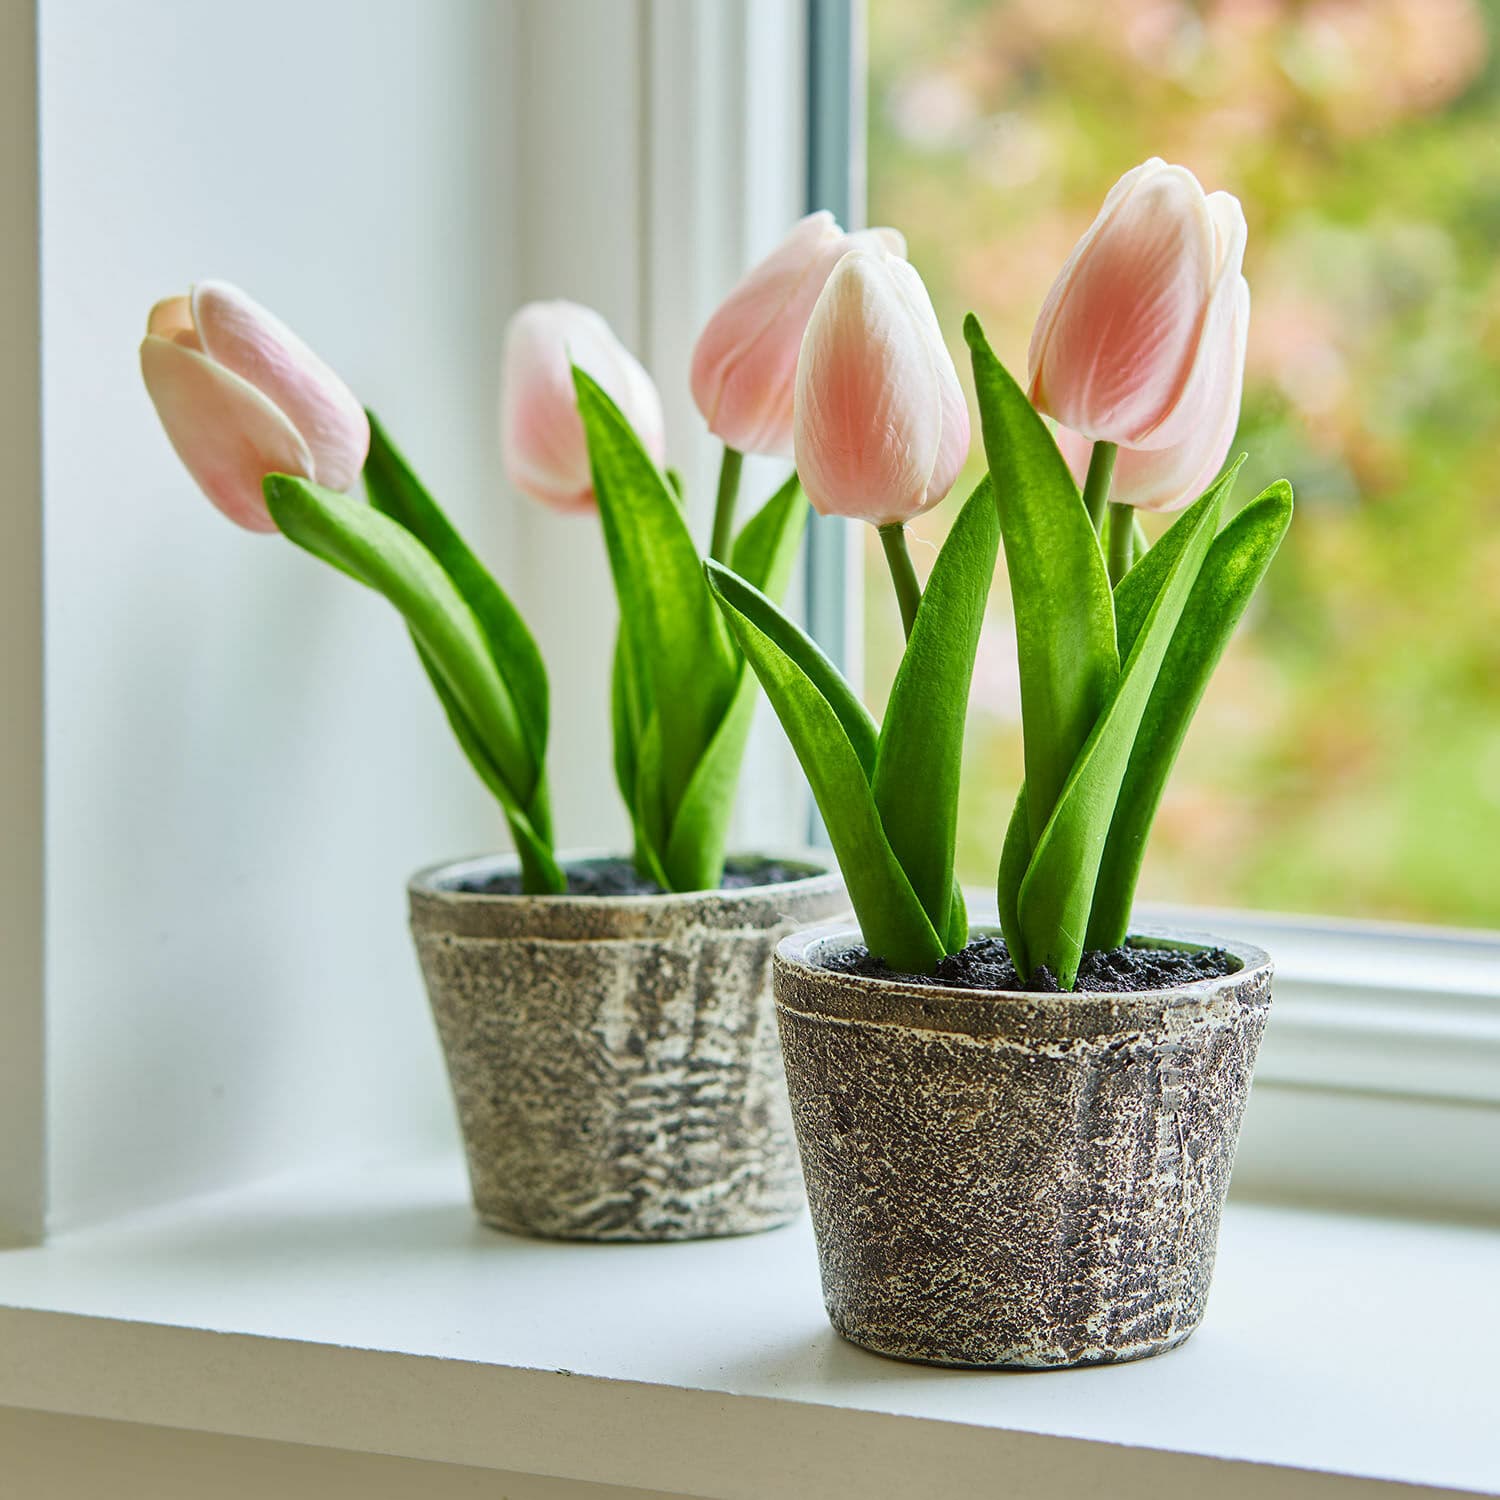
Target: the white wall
pixel 244 760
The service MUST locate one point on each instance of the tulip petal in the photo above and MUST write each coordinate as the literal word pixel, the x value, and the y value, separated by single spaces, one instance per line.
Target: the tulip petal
pixel 541 434
pixel 228 435
pixel 1118 335
pixel 172 318
pixel 252 343
pixel 869 411
pixel 953 442
pixel 1166 479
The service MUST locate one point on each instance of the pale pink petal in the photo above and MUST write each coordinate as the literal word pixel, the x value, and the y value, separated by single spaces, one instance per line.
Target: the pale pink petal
pixel 228 435
pixel 869 410
pixel 1168 478
pixel 541 433
pixel 1118 336
pixel 744 368
pixel 252 343
pixel 953 443
pixel 172 318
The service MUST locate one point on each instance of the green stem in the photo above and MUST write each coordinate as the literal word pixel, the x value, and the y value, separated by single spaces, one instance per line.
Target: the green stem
pixel 1096 483
pixel 903 573
pixel 1121 541
pixel 729 493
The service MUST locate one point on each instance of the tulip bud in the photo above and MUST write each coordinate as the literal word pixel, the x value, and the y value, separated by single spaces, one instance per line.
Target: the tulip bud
pixel 1124 348
pixel 241 396
pixel 541 433
pixel 1168 478
pixel 744 368
pixel 881 428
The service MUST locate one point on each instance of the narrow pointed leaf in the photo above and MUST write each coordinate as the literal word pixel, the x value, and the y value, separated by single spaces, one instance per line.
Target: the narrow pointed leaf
pixel 1015 855
pixel 805 654
pixel 395 491
pixel 1136 592
pixel 623 729
pixel 1065 628
pixel 920 752
pixel 678 641
pixel 766 547
pixel 387 558
pixel 894 925
pixel 1234 567
pixel 1058 890
pixel 540 872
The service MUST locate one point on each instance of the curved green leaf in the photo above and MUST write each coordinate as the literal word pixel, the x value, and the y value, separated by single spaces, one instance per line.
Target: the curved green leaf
pixel 920 751
pixel 766 547
pixel 678 646
pixel 1065 627
pixel 1058 890
pixel 395 491
pixel 738 597
pixel 894 925
pixel 1231 572
pixel 386 557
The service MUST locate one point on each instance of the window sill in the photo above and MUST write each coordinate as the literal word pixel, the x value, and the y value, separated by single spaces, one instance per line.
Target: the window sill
pixel 365 1310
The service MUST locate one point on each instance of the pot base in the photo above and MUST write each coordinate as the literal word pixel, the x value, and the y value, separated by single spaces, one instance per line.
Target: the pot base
pixel 1018 1363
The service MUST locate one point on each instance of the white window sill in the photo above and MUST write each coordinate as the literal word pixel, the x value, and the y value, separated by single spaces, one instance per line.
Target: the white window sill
pixel 365 1310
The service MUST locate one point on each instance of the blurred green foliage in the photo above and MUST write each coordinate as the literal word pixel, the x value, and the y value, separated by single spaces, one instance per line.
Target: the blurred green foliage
pixel 1347 756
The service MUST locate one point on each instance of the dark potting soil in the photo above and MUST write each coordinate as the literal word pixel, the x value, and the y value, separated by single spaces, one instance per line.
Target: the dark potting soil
pixel 618 877
pixel 985 965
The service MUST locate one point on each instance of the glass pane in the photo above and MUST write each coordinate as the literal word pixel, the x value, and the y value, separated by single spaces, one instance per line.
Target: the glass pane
pixel 1347 756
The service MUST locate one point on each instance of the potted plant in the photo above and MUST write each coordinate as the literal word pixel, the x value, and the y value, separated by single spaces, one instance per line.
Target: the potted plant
pixel 1017 1143
pixel 606 1020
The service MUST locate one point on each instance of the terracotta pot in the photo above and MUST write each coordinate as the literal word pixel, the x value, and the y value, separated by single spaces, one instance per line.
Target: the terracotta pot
pixel 1014 1179
pixel 614 1059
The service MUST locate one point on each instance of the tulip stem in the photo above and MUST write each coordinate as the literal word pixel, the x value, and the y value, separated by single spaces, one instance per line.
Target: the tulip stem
pixel 1121 541
pixel 729 493
pixel 903 573
pixel 1096 483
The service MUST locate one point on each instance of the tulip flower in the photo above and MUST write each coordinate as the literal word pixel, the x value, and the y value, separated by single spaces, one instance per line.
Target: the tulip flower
pixel 1165 479
pixel 541 433
pixel 241 396
pixel 744 367
pixel 881 427
pixel 1124 348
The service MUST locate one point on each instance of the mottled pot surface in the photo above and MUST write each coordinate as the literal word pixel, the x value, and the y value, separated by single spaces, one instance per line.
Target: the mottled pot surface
pixel 614 1059
pixel 1016 1179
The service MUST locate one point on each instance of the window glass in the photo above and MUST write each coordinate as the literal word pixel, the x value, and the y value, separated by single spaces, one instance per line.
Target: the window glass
pixel 1347 756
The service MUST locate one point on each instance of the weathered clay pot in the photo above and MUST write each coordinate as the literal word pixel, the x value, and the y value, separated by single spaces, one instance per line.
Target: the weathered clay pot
pixel 614 1059
pixel 1015 1179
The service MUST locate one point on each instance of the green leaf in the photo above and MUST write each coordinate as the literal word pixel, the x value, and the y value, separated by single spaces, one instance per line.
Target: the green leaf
pixel 540 871
pixel 1136 592
pixel 1065 628
pixel 1058 890
pixel 736 597
pixel 1231 572
pixel 386 557
pixel 624 730
pixel 920 752
pixel 1015 855
pixel 677 642
pixel 766 547
pixel 894 925
pixel 763 555
pixel 395 491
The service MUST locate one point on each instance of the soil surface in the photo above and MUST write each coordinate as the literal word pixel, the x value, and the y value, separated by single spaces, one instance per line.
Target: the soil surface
pixel 618 877
pixel 985 965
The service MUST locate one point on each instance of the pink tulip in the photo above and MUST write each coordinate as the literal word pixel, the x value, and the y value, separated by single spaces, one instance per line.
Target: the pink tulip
pixel 1125 348
pixel 1169 478
pixel 745 362
pixel 541 433
pixel 241 396
pixel 881 426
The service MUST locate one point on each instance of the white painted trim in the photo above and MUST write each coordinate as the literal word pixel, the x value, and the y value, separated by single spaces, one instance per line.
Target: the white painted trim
pixel 22 1070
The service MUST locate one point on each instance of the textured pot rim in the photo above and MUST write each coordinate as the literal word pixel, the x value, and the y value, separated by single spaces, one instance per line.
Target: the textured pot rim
pixel 434 882
pixel 863 999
